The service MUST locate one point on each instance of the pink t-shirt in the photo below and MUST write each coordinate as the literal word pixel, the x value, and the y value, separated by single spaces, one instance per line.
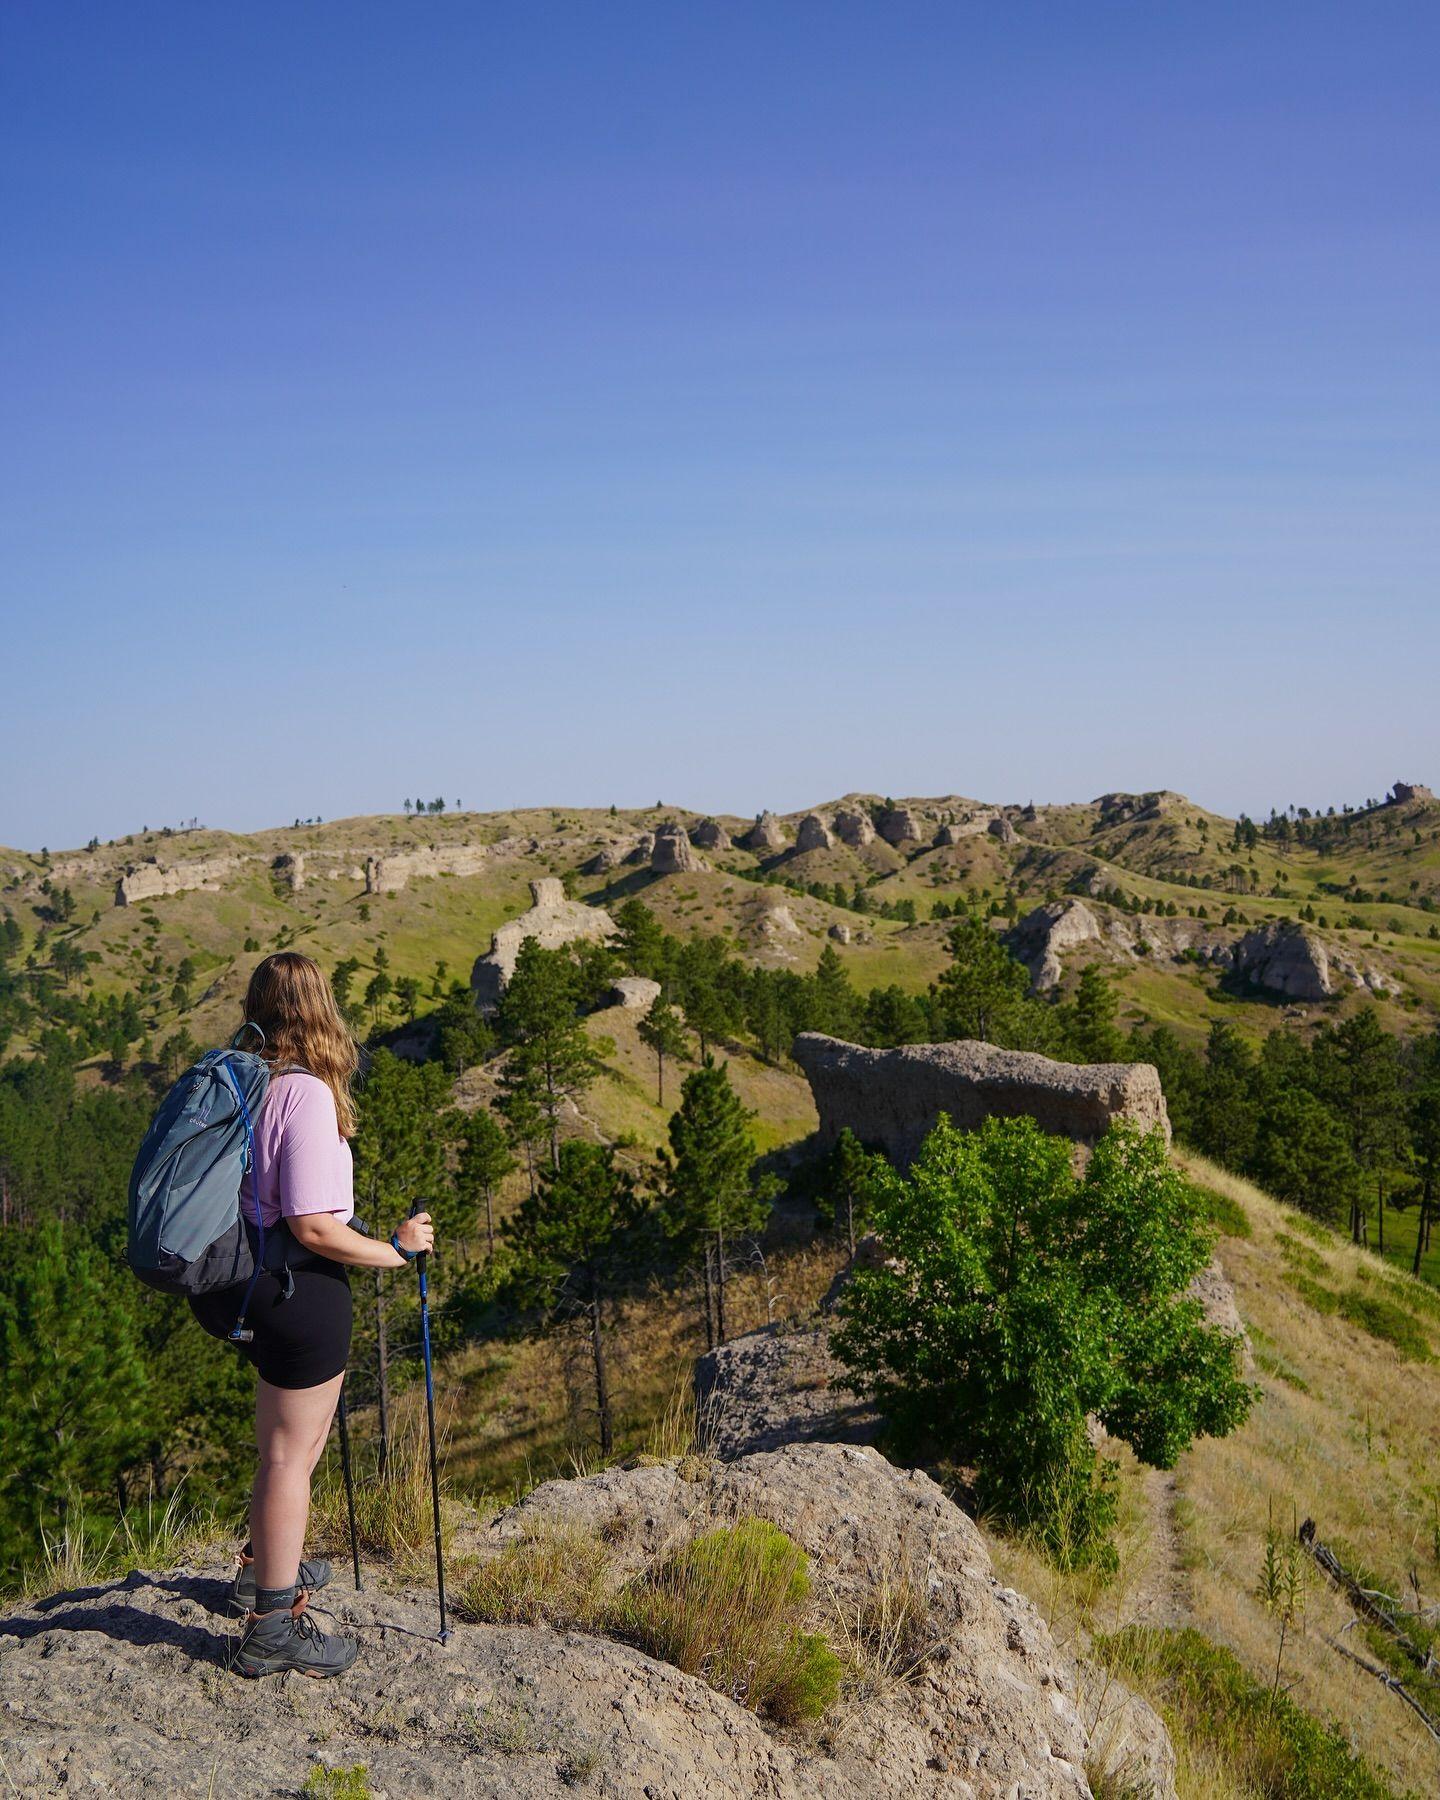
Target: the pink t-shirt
pixel 302 1163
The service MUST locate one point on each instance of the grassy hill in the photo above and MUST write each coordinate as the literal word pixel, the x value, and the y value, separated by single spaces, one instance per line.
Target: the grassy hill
pixel 1345 1345
pixel 1372 890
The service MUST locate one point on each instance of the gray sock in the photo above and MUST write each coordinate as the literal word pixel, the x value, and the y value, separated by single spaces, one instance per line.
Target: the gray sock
pixel 274 1599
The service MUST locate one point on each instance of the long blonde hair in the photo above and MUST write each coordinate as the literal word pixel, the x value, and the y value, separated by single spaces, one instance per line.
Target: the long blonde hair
pixel 292 1003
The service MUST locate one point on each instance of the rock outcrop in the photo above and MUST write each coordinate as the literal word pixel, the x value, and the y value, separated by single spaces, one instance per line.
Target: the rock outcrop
pixel 854 827
pixel 606 858
pixel 1405 791
pixel 899 825
pixel 1043 936
pixel 389 873
pixel 1285 958
pixel 841 933
pixel 642 849
pixel 988 1714
pixel 766 835
pixel 891 1099
pixel 710 834
pixel 153 880
pixel 1000 827
pixel 552 921
pixel 772 1387
pixel 633 993
pixel 814 834
pixel 673 854
pixel 120 1687
pixel 290 868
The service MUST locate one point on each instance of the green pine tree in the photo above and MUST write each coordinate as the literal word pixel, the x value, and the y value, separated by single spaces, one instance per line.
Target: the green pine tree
pixel 575 1241
pixel 663 1031
pixel 711 1195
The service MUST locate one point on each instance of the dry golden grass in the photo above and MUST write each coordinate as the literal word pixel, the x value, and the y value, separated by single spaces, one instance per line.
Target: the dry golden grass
pixel 1347 1433
pixel 522 1411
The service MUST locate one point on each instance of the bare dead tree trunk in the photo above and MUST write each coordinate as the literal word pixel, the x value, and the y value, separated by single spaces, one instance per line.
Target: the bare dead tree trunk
pixel 709 1301
pixel 489 1219
pixel 602 1380
pixel 720 1284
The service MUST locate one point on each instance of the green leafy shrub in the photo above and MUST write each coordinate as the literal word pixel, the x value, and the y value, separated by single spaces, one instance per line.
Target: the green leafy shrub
pixel 1022 1298
pixel 1226 1215
pixel 1271 1747
pixel 730 1606
pixel 1383 1319
pixel 338 1784
pixel 1324 1300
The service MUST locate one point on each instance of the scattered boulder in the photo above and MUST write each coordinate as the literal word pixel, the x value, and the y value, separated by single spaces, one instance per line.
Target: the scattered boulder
pixel 710 834
pixel 840 933
pixel 854 827
pixel 891 1099
pixel 642 849
pixel 1000 827
pixel 814 834
pixel 602 862
pixel 771 1388
pixel 1042 936
pixel 899 825
pixel 552 921
pixel 290 868
pixel 767 834
pixel 633 993
pixel 672 852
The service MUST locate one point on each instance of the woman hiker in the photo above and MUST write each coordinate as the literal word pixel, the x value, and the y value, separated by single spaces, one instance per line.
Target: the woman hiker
pixel 300 1310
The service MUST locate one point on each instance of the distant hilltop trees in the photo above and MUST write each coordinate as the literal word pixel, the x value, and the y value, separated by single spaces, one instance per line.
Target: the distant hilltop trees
pixel 427 806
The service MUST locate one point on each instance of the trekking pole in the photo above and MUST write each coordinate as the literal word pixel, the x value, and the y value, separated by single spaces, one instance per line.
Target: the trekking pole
pixel 344 1423
pixel 430 1417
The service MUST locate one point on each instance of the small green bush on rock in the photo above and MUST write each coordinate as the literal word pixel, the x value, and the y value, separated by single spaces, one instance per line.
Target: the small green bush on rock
pixel 730 1607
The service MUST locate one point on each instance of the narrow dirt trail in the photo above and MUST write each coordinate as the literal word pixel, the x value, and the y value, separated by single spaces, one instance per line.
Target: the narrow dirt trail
pixel 1162 1596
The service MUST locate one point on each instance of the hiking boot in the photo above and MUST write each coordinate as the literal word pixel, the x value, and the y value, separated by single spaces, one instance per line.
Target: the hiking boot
pixel 275 1642
pixel 313 1575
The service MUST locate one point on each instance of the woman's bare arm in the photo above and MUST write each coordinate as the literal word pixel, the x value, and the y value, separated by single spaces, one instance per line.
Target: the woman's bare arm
pixel 329 1235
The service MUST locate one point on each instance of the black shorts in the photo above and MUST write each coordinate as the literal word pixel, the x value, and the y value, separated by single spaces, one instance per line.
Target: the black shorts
pixel 298 1343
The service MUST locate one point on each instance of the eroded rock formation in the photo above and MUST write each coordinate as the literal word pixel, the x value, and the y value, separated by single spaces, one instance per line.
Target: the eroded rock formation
pixel 1043 936
pixel 153 880
pixel 814 834
pixel 396 869
pixel 854 827
pixel 552 921
pixel 891 1099
pixel 710 834
pixel 672 852
pixel 766 835
pixel 900 825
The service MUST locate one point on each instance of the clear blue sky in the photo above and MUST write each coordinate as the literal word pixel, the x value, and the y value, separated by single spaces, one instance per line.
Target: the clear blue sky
pixel 734 404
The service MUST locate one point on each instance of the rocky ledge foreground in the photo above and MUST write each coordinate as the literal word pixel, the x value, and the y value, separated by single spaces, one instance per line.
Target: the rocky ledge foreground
pixel 123 1687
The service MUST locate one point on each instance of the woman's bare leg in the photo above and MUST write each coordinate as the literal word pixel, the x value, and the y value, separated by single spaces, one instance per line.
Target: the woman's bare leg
pixel 291 1425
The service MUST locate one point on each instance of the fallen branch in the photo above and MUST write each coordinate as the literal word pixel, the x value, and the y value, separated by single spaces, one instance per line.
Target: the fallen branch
pixel 1365 1600
pixel 1393 1682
